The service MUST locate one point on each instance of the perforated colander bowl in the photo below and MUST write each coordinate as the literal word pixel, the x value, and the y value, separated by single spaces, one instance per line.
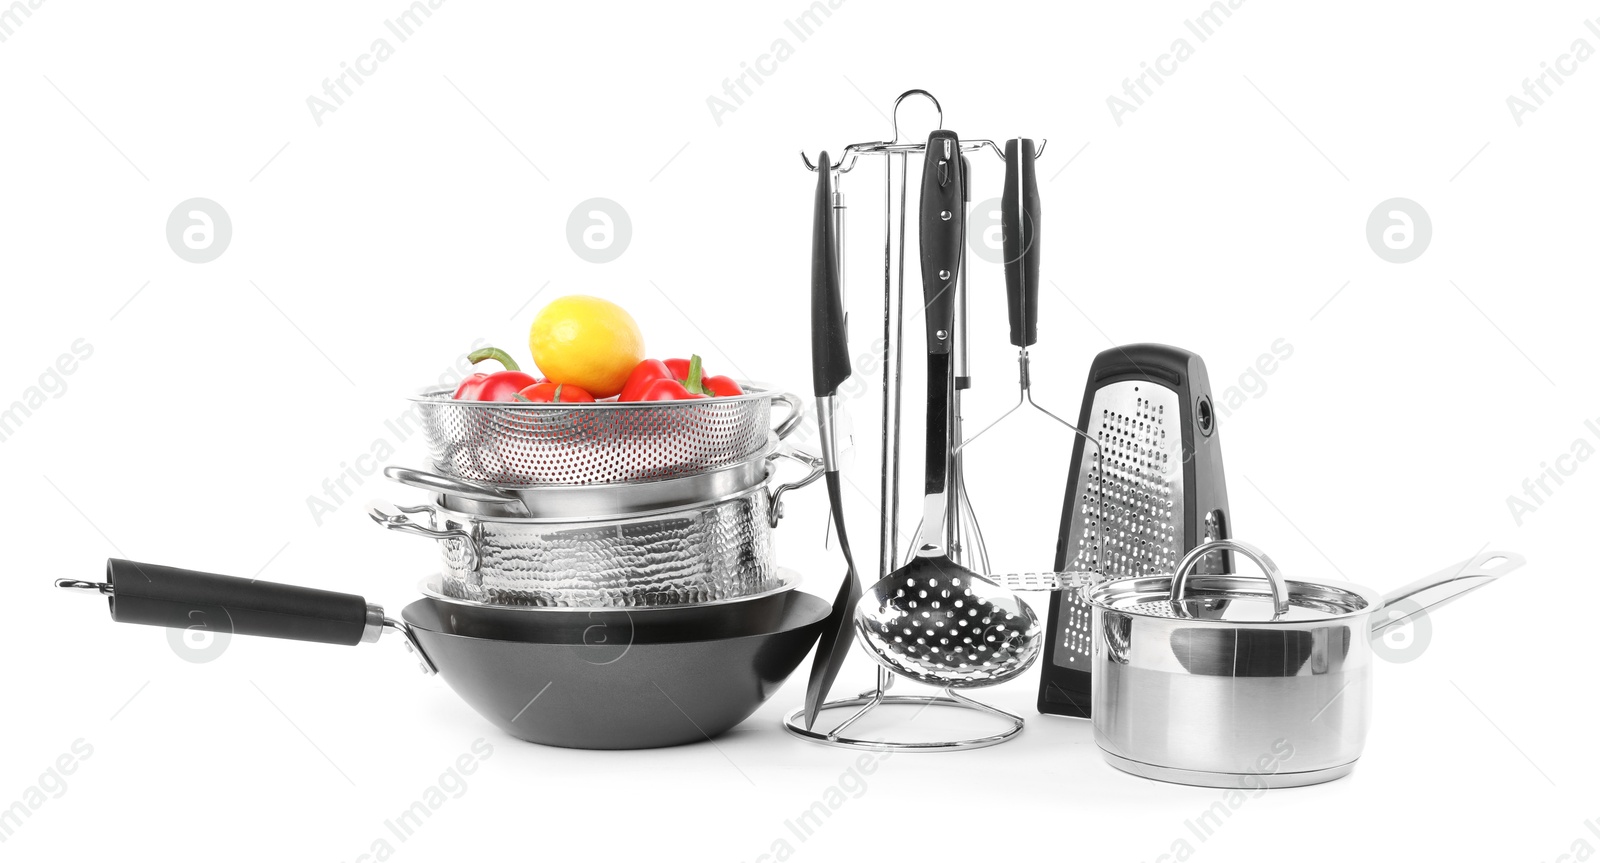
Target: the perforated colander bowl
pixel 520 444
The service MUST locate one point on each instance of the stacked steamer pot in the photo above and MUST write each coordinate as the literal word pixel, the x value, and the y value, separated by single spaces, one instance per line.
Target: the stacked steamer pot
pixel 617 524
pixel 602 505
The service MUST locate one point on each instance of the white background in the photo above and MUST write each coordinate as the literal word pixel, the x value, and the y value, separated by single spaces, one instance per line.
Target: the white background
pixel 428 211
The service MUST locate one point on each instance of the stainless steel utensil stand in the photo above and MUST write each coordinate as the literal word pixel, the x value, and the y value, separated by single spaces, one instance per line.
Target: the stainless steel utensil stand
pixel 963 534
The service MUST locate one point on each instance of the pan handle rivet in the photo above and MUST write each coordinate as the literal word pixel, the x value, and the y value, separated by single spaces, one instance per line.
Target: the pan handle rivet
pixel 945 215
pixel 944 274
pixel 942 335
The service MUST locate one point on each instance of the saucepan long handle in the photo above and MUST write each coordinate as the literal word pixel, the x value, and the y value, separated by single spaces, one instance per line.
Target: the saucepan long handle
pixel 1424 595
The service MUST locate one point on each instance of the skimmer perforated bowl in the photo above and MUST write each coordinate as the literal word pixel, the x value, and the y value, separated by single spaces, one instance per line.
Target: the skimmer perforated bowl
pixel 519 444
pixel 948 628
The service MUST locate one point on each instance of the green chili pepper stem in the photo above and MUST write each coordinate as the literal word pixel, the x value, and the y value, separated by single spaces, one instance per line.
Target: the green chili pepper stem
pixel 519 396
pixel 557 396
pixel 694 384
pixel 496 354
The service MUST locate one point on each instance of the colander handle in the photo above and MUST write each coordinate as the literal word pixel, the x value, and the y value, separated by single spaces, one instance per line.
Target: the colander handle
pixel 1280 588
pixel 796 415
pixel 452 486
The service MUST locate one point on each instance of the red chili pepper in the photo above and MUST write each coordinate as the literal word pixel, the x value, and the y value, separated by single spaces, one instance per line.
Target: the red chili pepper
pixel 666 380
pixel 552 392
pixel 714 385
pixel 494 386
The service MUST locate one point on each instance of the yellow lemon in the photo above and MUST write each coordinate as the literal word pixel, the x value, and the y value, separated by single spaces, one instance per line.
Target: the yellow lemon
pixel 586 342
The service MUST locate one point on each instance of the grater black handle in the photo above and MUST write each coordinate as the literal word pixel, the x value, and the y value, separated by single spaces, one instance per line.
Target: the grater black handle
pixel 942 230
pixel 1019 227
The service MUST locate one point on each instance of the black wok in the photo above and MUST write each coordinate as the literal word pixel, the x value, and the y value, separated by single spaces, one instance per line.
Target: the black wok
pixel 636 687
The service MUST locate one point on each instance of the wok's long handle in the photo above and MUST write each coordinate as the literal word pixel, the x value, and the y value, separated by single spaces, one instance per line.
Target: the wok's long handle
pixel 156 595
pixel 1426 594
pixel 185 599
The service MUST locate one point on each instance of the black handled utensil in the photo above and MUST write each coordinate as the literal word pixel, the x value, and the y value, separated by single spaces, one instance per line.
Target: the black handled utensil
pixel 1019 227
pixel 933 619
pixel 830 367
pixel 942 230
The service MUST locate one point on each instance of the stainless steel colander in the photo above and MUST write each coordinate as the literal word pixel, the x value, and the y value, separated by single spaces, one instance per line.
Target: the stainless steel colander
pixel 517 443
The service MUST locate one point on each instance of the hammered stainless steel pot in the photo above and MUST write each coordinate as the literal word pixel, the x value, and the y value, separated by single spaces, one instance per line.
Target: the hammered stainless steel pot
pixel 702 552
pixel 1231 681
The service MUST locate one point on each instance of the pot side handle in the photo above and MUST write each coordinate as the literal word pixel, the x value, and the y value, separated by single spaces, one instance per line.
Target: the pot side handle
pixel 1421 597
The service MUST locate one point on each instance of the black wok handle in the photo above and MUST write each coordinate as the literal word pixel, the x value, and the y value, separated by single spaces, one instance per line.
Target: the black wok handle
pixel 941 232
pixel 164 596
pixel 1019 228
pixel 830 355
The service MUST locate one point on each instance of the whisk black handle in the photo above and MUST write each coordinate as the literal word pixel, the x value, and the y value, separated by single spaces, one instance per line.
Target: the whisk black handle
pixel 1019 226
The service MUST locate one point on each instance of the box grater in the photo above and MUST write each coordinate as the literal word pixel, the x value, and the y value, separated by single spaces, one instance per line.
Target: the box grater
pixel 1150 408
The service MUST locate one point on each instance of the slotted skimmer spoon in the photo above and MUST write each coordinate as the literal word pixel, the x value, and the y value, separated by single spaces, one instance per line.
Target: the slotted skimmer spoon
pixel 933 620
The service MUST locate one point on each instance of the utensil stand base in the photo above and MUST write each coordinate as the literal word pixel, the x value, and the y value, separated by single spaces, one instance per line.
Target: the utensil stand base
pixel 869 701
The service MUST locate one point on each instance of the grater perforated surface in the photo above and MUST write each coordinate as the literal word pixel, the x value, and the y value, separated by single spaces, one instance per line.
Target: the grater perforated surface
pixel 1141 532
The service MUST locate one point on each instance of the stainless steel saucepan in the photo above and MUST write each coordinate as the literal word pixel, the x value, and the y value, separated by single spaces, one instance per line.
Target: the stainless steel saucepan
pixel 1232 681
pixel 596 547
